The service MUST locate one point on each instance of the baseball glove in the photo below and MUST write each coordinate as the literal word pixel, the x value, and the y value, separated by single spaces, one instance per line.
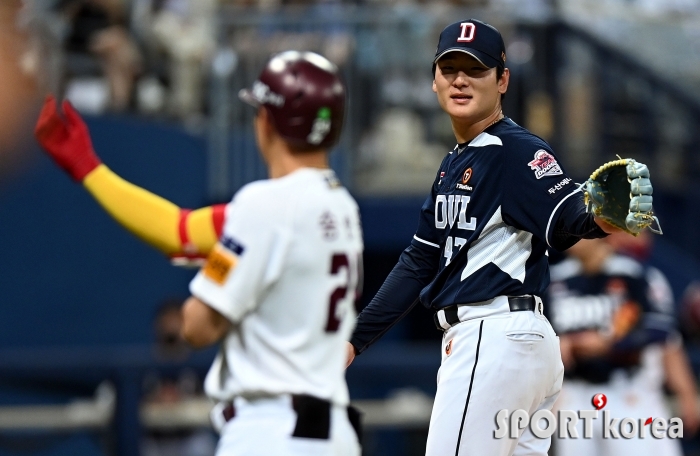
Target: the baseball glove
pixel 619 192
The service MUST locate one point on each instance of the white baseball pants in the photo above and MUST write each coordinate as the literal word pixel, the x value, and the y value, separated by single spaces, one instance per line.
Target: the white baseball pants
pixel 494 359
pixel 264 427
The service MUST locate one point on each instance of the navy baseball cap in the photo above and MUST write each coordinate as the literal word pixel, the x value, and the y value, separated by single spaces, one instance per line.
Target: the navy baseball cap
pixel 478 39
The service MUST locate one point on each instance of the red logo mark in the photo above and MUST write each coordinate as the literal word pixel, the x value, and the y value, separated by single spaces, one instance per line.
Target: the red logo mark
pixel 648 421
pixel 599 401
pixel 467 175
pixel 542 159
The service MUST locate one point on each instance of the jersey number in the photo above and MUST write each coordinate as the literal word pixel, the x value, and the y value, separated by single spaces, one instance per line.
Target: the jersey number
pixel 458 242
pixel 354 282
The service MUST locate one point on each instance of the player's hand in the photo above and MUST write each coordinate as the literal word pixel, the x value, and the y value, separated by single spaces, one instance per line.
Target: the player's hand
pixel 66 140
pixel 590 344
pixel 350 354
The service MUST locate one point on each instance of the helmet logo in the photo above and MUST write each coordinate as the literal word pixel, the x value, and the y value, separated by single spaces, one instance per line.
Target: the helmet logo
pixel 321 126
pixel 264 95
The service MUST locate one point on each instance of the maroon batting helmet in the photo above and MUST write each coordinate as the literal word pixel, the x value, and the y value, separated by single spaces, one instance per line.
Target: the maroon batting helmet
pixel 304 96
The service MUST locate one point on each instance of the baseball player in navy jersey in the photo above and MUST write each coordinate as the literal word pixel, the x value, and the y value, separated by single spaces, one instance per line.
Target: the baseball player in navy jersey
pixel 615 319
pixel 500 199
pixel 278 288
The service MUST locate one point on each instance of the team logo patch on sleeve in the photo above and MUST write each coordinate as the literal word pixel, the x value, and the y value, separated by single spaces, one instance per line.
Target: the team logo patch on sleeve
pixel 220 262
pixel 545 164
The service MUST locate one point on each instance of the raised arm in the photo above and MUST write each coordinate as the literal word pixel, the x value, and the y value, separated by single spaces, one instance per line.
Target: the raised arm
pixel 182 234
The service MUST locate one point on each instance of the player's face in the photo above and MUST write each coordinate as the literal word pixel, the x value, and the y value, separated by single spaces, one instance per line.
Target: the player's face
pixel 467 90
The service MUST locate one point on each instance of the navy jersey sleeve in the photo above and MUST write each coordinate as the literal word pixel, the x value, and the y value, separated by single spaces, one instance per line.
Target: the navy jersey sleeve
pixel 662 303
pixel 571 222
pixel 398 294
pixel 535 188
pixel 652 326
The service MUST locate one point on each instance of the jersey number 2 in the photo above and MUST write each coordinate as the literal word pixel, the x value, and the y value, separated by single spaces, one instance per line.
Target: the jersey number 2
pixel 354 282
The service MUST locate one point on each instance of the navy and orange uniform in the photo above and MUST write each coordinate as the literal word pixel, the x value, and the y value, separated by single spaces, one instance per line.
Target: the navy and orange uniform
pixel 621 301
pixel 496 205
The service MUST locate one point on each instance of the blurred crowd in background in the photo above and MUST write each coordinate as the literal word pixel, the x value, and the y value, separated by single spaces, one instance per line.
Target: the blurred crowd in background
pixel 157 58
pixel 153 56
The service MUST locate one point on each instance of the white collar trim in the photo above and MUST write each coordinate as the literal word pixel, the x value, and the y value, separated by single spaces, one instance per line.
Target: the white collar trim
pixel 485 139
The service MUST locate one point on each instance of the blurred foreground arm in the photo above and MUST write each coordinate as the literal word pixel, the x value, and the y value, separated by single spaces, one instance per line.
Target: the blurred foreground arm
pixel 179 233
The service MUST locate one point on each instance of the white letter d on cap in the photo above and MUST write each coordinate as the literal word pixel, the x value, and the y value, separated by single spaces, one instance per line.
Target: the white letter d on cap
pixel 468 30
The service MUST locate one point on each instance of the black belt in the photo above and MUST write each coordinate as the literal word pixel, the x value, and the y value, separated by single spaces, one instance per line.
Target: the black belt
pixel 516 304
pixel 313 417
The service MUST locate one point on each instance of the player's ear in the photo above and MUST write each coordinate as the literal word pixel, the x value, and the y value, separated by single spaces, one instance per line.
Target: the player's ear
pixel 503 82
pixel 434 86
pixel 263 122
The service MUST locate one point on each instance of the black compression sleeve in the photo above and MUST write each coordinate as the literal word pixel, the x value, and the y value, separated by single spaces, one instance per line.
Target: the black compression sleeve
pixel 574 223
pixel 397 296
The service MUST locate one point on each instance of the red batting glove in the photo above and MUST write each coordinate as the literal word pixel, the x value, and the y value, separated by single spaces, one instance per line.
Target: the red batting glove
pixel 67 140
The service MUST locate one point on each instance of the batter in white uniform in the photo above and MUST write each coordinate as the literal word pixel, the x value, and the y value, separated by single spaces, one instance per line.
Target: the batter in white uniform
pixel 278 289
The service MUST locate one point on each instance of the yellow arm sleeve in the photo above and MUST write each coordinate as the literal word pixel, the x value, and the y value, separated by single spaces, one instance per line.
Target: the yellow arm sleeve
pixel 153 219
pixel 201 229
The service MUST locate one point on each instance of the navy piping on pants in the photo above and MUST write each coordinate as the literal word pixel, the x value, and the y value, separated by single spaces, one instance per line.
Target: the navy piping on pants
pixel 471 383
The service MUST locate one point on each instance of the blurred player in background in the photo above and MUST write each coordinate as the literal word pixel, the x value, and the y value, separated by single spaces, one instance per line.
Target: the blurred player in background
pixel 278 288
pixel 680 268
pixel 679 374
pixel 617 335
